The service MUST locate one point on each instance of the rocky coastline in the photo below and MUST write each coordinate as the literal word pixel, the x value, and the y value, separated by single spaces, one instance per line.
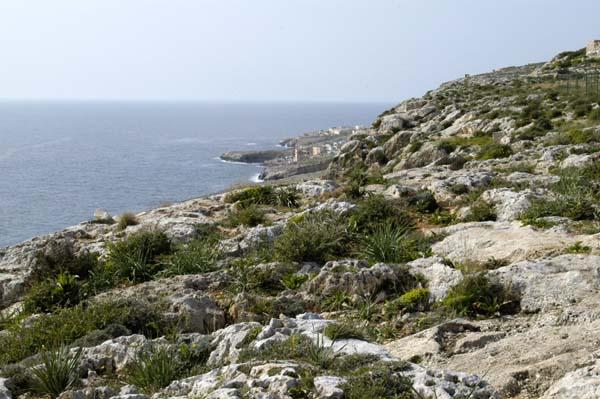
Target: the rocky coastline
pixel 308 155
pixel 451 250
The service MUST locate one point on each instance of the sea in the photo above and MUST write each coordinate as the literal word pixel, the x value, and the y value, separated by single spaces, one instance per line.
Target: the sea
pixel 59 161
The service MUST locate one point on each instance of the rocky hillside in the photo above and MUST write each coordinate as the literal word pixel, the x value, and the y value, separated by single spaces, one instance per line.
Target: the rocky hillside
pixel 453 253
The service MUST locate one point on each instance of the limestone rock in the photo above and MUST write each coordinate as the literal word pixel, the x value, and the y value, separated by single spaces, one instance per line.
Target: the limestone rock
pixel 251 238
pixel 4 391
pixel 509 205
pixel 327 387
pixel 353 278
pixel 583 383
pixel 376 156
pixel 429 342
pixel 549 283
pixel 102 215
pixel 396 191
pixel 440 277
pixel 396 143
pixel 509 241
pixel 227 342
pixel 200 312
pixel 443 384
pixel 316 188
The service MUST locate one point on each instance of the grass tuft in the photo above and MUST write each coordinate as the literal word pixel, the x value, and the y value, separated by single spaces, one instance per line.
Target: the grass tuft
pixel 58 371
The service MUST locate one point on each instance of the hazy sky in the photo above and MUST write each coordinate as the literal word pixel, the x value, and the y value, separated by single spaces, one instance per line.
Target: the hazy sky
pixel 349 50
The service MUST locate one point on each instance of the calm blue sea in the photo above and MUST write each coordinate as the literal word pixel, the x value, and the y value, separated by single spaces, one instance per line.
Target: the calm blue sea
pixel 59 161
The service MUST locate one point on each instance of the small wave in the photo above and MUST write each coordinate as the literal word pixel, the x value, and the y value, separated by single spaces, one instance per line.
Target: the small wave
pixel 249 144
pixel 256 178
pixel 232 162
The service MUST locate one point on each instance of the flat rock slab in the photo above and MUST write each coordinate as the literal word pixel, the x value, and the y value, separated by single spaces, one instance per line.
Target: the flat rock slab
pixel 549 283
pixel 509 241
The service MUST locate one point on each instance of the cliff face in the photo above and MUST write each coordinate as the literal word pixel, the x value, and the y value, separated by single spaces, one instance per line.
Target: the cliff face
pixel 452 254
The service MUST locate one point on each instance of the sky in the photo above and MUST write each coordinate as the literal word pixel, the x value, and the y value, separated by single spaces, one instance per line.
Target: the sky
pixel 273 50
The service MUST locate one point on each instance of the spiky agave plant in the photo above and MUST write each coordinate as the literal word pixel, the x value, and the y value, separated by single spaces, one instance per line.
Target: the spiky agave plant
pixel 57 372
pixel 388 243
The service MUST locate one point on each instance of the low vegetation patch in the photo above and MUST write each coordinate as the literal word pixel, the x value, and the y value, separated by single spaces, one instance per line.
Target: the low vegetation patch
pixel 67 325
pixel 389 244
pixel 250 216
pixel 345 330
pixel 477 296
pixel 58 371
pixel 576 196
pixel 265 195
pixel 578 248
pixel 127 219
pixel 316 237
pixel 411 301
pixel 137 258
pixel 493 151
pixel 198 256
pixel 380 380
pixel 481 211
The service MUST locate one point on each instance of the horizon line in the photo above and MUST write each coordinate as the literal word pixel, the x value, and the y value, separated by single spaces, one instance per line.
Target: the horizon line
pixel 213 101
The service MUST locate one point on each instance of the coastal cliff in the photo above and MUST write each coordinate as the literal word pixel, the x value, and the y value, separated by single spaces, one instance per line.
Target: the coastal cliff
pixel 452 251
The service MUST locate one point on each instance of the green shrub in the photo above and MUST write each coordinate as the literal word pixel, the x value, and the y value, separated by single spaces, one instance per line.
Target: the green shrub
pixel 381 380
pixel 58 372
pixel 575 136
pixel 294 281
pixel 414 300
pixel 263 278
pixel 441 217
pixel 138 258
pixel 58 257
pixel 415 146
pixel 576 196
pixel 424 201
pixel 390 244
pixel 254 195
pixel 542 208
pixel 338 300
pixel 127 219
pixel 375 211
pixel 345 330
pixel 265 195
pixel 350 363
pixel 481 211
pixel 198 256
pixel 248 216
pixel 67 325
pixel 155 370
pixel 457 161
pixel 316 237
pixel 287 197
pixel 477 296
pixel 493 151
pixel 579 248
pixel 62 291
pixel 459 189
pixel 447 146
pixel 594 115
